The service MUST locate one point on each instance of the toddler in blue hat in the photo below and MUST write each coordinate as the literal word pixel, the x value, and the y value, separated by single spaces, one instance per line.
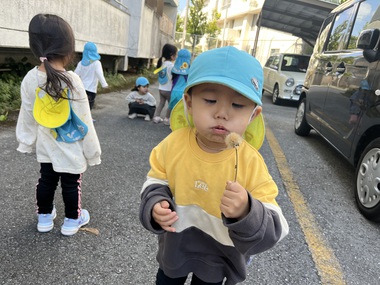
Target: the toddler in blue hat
pixel 180 72
pixel 140 101
pixel 90 70
pixel 208 195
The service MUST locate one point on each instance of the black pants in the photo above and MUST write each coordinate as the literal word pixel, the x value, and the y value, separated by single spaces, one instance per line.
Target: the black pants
pixel 71 185
pixel 162 279
pixel 143 109
pixel 91 98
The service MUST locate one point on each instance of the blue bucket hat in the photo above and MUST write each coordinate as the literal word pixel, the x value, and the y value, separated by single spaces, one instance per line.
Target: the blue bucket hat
pixel 90 54
pixel 142 81
pixel 182 63
pixel 231 67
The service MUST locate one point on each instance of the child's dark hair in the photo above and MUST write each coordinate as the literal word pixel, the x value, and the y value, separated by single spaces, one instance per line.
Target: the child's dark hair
pixel 136 88
pixel 52 39
pixel 167 51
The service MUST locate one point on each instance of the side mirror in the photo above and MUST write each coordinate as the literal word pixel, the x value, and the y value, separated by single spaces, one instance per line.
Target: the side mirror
pixel 368 41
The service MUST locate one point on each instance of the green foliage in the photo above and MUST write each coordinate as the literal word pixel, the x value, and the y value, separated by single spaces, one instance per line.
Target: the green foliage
pixel 10 81
pixel 9 95
pixel 179 24
pixel 197 21
pixel 4 117
pixel 120 81
pixel 16 68
pixel 212 28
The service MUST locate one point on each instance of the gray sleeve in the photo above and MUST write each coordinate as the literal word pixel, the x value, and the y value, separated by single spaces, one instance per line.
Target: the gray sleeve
pixel 261 229
pixel 151 195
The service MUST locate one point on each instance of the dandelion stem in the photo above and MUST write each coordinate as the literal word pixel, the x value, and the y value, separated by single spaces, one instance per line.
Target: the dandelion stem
pixel 236 164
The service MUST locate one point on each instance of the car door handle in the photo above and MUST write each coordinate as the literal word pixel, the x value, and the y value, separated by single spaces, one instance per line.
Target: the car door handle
pixel 328 67
pixel 341 68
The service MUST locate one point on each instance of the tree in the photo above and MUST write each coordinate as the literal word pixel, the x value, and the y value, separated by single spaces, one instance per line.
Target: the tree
pixel 197 23
pixel 212 28
pixel 179 24
pixel 342 1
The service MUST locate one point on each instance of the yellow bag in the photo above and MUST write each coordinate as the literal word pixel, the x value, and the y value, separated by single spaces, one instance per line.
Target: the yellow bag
pixel 58 116
pixel 50 113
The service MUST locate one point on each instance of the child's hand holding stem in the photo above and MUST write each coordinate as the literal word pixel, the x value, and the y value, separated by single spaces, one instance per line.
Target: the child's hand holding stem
pixel 234 203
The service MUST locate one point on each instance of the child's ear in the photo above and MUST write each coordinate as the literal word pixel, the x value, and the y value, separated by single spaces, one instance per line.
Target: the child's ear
pixel 257 112
pixel 188 103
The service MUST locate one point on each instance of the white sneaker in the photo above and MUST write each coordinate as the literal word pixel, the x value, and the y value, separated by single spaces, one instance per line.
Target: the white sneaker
pixel 132 116
pixel 157 119
pixel 166 122
pixel 147 118
pixel 71 226
pixel 46 221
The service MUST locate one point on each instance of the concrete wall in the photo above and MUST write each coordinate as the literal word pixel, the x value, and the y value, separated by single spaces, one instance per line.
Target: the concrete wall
pixel 91 20
pixel 149 32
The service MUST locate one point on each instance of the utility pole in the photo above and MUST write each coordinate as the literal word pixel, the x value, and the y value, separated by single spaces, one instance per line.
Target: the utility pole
pixel 184 25
pixel 258 27
pixel 226 4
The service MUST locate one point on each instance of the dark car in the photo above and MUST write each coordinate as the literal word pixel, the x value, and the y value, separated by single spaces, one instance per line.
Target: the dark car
pixel 341 95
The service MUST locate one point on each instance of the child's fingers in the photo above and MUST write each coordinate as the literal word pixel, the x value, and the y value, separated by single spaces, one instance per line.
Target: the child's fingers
pixel 168 229
pixel 234 201
pixel 165 204
pixel 164 216
pixel 162 209
pixel 167 221
pixel 232 186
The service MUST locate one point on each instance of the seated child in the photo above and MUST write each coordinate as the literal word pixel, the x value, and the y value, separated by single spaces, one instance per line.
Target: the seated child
pixel 140 101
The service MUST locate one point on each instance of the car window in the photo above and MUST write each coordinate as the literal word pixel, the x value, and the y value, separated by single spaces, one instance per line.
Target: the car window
pixel 342 24
pixel 324 33
pixel 368 12
pixel 276 61
pixel 269 61
pixel 295 63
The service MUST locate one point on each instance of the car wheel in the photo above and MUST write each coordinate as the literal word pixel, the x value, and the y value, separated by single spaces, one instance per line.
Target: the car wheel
pixel 367 189
pixel 301 127
pixel 275 94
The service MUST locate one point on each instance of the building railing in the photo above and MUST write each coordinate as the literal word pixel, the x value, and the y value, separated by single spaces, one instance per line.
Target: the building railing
pixel 337 2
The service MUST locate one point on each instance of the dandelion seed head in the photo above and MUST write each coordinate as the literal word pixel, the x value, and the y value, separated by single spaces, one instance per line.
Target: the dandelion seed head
pixel 233 140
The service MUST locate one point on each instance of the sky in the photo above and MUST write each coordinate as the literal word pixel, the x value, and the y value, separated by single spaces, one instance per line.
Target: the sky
pixel 182 5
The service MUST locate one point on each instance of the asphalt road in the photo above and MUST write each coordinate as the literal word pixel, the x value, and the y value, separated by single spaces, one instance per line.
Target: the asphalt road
pixel 124 252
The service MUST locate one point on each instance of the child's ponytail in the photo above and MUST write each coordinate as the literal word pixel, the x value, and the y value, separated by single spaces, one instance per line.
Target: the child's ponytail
pixel 51 39
pixel 168 51
pixel 159 62
pixel 56 81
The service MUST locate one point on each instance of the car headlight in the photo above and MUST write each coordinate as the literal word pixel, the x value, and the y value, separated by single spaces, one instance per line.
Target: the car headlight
pixel 298 89
pixel 289 82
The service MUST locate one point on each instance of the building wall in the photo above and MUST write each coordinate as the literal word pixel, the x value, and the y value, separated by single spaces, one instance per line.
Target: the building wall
pixel 238 23
pixel 272 41
pixel 146 33
pixel 122 29
pixel 94 20
pixel 152 24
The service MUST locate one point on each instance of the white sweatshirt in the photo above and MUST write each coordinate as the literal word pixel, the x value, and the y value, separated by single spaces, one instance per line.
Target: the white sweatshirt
pixel 65 157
